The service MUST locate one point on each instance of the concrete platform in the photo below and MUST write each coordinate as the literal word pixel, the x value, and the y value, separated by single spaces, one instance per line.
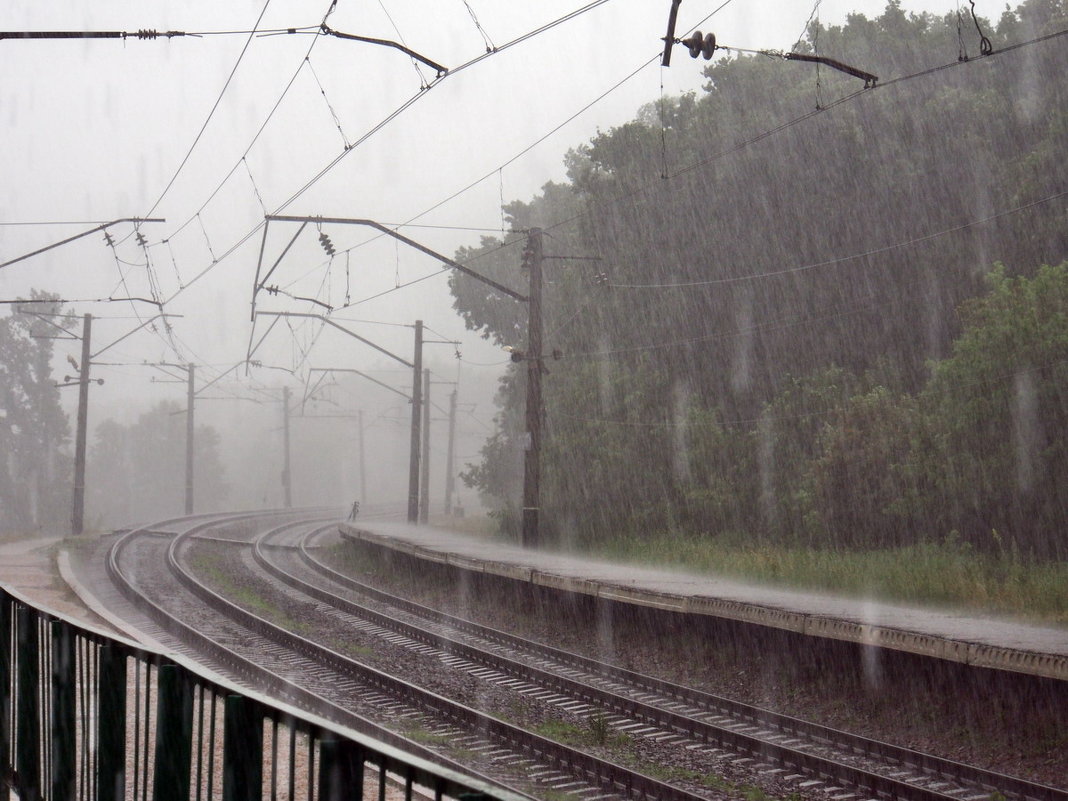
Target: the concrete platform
pixel 958 637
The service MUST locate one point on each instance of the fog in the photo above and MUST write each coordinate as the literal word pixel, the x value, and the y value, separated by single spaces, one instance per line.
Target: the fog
pixel 212 132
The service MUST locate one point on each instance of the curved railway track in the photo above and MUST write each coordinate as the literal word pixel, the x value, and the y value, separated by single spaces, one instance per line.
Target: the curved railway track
pixel 696 726
pixel 288 665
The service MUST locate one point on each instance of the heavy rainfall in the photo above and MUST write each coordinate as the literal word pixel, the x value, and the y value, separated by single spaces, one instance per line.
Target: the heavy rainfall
pixel 773 303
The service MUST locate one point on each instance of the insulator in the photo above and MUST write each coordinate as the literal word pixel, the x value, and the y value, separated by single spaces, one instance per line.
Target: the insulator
pixel 328 246
pixel 528 254
pixel 701 44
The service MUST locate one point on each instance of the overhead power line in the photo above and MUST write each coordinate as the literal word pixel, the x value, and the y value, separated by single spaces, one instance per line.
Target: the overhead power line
pixel 211 113
pixel 852 257
pixel 740 146
pixel 370 133
pixel 140 34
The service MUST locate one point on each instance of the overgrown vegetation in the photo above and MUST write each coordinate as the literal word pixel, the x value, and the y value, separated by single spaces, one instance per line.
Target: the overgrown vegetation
pixel 950 573
pixel 849 336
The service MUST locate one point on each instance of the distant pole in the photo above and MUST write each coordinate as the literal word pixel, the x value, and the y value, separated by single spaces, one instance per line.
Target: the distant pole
pixel 531 459
pixel 78 516
pixel 450 468
pixel 189 430
pixel 417 396
pixel 286 485
pixel 424 495
pixel 363 469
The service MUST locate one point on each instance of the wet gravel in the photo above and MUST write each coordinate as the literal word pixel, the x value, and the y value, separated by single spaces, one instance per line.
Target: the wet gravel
pixel 718 777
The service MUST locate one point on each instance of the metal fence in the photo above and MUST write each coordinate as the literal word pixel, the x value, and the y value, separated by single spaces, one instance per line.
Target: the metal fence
pixel 97 718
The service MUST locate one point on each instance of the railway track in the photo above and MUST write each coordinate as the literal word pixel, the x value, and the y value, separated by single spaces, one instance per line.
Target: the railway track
pixel 680 725
pixel 299 670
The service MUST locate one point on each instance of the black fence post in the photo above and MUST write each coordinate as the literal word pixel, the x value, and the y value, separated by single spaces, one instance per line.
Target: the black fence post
pixel 174 735
pixel 63 718
pixel 28 711
pixel 242 750
pixel 340 770
pixel 7 636
pixel 111 725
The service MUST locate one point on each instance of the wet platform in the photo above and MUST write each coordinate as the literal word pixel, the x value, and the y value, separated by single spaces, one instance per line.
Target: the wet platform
pixel 958 637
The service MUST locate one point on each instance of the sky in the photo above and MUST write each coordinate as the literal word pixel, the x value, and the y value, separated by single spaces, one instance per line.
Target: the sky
pixel 210 133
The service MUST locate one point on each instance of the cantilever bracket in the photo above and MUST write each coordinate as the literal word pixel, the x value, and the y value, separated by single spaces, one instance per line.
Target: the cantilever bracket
pixel 328 31
pixel 869 79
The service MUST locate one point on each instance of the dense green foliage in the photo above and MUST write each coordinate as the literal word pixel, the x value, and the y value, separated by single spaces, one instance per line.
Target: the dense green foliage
pixel 794 339
pixel 35 476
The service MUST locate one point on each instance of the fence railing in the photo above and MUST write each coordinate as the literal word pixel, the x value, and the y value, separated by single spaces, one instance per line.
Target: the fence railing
pixel 93 717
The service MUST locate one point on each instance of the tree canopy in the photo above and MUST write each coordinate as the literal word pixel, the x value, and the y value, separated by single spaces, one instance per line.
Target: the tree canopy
pixel 774 313
pixel 35 484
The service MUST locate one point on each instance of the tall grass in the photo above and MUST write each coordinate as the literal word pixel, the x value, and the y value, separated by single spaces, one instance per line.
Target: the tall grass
pixel 947 574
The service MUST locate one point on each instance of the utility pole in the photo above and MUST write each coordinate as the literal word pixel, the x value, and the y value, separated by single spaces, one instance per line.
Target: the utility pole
pixel 450 468
pixel 417 400
pixel 78 515
pixel 424 497
pixel 416 365
pixel 190 427
pixel 189 433
pixel 78 510
pixel 531 459
pixel 260 283
pixel 285 449
pixel 363 469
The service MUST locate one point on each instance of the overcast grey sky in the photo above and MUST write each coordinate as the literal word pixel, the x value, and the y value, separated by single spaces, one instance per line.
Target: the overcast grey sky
pixel 96 130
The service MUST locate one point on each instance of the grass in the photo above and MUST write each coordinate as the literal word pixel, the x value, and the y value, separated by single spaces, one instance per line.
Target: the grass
pixel 421 735
pixel 207 569
pixel 596 732
pixel 946 574
pixel 942 574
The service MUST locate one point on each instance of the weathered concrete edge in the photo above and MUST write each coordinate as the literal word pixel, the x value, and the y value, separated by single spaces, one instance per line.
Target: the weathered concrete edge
pixel 1051 666
pixel 66 572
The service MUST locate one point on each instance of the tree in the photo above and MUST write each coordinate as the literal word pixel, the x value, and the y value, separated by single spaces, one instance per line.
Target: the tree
pixel 992 458
pixel 137 472
pixel 35 473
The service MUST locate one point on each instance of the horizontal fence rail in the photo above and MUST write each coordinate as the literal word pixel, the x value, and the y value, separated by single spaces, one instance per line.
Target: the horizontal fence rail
pixel 92 717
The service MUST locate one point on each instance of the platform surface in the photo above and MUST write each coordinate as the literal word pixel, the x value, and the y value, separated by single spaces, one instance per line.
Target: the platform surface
pixel 960 637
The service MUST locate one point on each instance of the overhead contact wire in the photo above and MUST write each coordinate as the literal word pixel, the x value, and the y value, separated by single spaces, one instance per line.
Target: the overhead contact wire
pixel 211 113
pixel 393 115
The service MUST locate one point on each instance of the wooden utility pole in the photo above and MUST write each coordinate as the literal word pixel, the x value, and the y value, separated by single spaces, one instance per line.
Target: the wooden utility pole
pixel 450 468
pixel 424 496
pixel 417 398
pixel 189 443
pixel 531 459
pixel 78 515
pixel 286 483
